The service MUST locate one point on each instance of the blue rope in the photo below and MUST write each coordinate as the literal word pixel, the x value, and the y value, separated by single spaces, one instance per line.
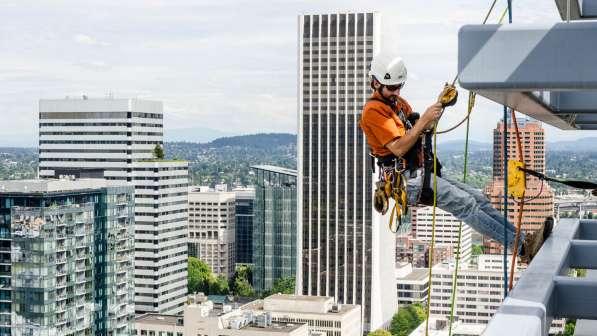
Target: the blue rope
pixel 505 149
pixel 505 136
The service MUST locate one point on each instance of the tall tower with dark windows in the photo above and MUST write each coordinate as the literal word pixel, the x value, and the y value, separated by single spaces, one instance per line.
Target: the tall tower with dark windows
pixel 340 248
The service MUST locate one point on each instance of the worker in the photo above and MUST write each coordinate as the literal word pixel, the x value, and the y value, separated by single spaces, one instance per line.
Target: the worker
pixel 394 137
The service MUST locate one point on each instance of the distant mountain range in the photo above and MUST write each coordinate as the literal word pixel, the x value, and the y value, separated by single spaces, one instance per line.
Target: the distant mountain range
pixel 194 134
pixel 580 145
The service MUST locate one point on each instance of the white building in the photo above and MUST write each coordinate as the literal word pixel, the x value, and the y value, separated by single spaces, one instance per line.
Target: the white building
pixel 480 291
pixel 344 250
pixel 446 231
pixel 278 314
pixel 323 315
pixel 114 139
pixel 412 285
pixel 212 234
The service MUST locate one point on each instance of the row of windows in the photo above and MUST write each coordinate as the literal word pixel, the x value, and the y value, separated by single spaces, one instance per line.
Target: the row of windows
pixel 323 41
pixel 98 115
pixel 102 142
pixel 101 124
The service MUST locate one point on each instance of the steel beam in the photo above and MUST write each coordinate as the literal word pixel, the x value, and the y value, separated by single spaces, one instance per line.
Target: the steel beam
pixel 556 57
pixel 579 9
pixel 575 297
pixel 583 254
pixel 528 104
pixel 548 72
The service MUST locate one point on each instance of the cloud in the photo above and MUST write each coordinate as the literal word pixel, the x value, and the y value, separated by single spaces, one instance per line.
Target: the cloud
pixel 86 39
pixel 215 65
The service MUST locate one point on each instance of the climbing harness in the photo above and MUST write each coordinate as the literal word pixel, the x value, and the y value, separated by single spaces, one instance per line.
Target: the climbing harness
pixel 391 184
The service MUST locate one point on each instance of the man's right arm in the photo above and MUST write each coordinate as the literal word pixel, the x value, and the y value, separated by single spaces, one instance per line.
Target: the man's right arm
pixel 403 144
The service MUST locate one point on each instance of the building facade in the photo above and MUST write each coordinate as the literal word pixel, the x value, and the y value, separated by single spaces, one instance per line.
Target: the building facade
pixel 275 226
pixel 480 291
pixel 446 231
pixel 412 285
pixel 212 232
pixel 340 249
pixel 539 195
pixel 72 251
pixel 114 139
pixel 245 202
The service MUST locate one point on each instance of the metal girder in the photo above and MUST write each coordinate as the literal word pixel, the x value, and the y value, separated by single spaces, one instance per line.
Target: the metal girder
pixel 583 254
pixel 544 291
pixel 575 297
pixel 557 57
pixel 548 72
pixel 528 104
pixel 579 9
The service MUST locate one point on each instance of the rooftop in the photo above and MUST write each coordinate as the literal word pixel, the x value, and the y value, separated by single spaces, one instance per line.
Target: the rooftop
pixel 159 319
pixel 56 185
pixel 416 274
pixel 275 169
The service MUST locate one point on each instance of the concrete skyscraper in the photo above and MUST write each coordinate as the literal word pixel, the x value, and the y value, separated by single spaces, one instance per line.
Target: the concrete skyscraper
pixel 539 194
pixel 114 139
pixel 212 233
pixel 340 249
pixel 446 234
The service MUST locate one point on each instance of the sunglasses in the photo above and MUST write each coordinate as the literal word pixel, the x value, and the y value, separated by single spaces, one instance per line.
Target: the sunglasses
pixel 394 87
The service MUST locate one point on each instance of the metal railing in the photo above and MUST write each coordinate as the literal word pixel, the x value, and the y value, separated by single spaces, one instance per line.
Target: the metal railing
pixel 546 291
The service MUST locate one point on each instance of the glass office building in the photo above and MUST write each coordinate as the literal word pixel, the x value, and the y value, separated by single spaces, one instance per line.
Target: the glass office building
pixel 71 271
pixel 245 199
pixel 274 229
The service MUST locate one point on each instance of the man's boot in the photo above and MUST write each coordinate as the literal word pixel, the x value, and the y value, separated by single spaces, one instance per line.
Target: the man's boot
pixel 533 241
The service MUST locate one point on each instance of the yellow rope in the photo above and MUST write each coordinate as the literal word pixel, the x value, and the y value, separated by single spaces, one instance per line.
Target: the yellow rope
pixel 432 227
pixel 435 132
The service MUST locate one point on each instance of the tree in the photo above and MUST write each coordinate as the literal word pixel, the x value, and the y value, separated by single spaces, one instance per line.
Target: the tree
pixel 407 319
pixel 218 286
pixel 242 287
pixel 379 332
pixel 240 283
pixel 568 328
pixel 284 285
pixel 477 250
pixel 158 152
pixel 199 276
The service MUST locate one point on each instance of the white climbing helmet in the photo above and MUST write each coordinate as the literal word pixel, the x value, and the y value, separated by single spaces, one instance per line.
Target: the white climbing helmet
pixel 388 69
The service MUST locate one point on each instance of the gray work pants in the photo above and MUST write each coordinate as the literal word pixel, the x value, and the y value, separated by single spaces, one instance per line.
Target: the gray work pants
pixel 468 205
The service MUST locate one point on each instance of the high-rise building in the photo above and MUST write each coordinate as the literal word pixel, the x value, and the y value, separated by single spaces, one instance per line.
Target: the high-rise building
pixel 342 254
pixel 480 291
pixel 539 197
pixel 212 231
pixel 72 251
pixel 115 139
pixel 245 201
pixel 274 229
pixel 446 231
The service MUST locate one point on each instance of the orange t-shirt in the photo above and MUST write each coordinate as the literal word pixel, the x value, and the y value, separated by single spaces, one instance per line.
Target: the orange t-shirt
pixel 381 124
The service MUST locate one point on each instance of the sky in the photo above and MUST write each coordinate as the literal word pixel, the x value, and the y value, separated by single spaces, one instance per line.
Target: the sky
pixel 228 67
